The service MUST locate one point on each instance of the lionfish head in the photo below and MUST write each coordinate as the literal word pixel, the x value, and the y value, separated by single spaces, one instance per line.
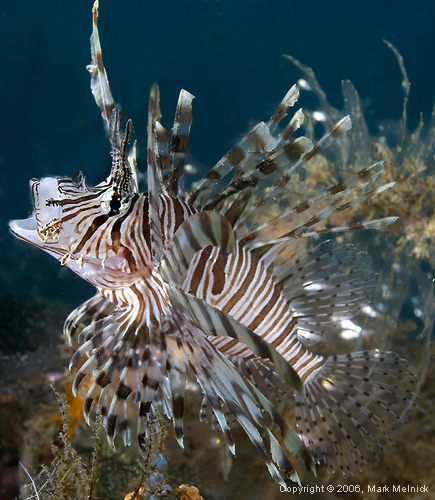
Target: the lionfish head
pixel 68 216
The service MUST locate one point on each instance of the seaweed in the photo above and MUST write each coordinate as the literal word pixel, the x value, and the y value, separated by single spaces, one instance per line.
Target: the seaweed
pixel 408 158
pixel 67 476
pixel 75 474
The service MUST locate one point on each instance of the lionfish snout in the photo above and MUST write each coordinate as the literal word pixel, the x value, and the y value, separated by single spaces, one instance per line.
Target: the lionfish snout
pixel 44 225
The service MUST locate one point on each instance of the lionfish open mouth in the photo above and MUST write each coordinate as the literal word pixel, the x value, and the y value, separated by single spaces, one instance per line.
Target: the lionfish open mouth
pixel 209 280
pixel 24 229
pixel 36 228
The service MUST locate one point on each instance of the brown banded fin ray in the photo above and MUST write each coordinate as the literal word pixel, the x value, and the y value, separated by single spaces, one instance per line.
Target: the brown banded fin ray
pixel 216 323
pixel 179 142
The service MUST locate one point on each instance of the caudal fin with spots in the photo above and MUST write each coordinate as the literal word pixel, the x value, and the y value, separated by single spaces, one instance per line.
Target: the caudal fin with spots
pixel 354 405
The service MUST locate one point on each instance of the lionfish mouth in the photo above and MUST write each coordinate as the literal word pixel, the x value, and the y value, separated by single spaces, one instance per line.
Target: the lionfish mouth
pixel 44 225
pixel 24 229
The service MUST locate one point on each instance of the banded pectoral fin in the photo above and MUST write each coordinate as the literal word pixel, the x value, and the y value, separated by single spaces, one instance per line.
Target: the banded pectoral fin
pixel 292 441
pixel 226 389
pixel 212 321
pixel 195 233
pixel 91 311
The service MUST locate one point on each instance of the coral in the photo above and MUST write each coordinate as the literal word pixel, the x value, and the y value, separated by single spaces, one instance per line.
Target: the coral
pixel 185 492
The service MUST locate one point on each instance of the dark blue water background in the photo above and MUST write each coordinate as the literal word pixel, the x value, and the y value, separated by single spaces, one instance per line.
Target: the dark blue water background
pixel 228 53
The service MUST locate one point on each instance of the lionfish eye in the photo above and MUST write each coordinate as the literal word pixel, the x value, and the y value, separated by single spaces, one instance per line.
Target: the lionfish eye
pixel 113 203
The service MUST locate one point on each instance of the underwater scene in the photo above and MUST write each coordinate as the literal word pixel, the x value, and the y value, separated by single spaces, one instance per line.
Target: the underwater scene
pixel 239 199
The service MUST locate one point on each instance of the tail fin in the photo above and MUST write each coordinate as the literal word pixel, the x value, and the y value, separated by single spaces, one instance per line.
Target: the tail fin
pixel 355 403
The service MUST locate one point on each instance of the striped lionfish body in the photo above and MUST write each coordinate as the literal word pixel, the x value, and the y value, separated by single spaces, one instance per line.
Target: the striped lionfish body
pixel 206 281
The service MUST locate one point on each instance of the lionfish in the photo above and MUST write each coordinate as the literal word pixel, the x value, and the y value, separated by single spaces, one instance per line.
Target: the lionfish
pixel 206 281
